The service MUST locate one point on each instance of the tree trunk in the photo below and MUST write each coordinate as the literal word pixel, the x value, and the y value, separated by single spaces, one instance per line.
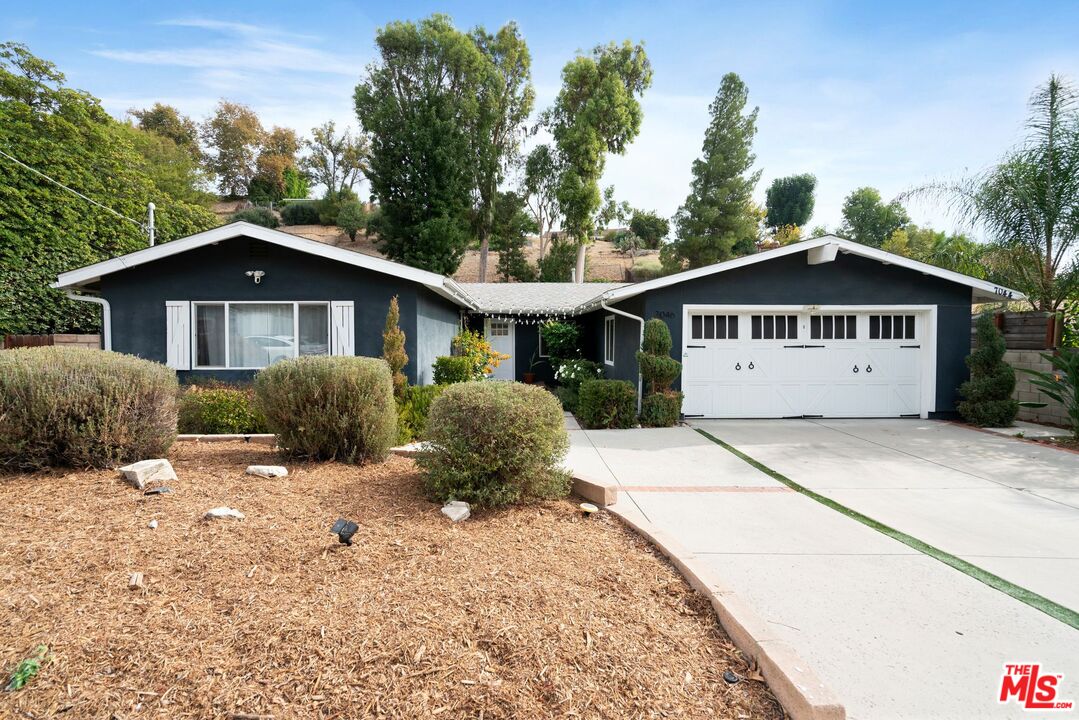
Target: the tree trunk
pixel 582 250
pixel 483 255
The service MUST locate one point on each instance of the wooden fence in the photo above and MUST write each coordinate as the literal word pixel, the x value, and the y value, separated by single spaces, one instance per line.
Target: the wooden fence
pixel 66 340
pixel 1028 330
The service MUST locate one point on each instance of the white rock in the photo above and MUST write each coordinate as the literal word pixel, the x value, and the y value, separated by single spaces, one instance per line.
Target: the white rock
pixel 147 471
pixel 153 525
pixel 456 510
pixel 223 512
pixel 267 471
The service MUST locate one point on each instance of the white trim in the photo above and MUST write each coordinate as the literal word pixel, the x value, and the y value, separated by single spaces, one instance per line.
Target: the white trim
pixel 609 351
pixel 178 334
pixel 106 315
pixel 91 273
pixel 983 291
pixel 342 327
pixel 194 349
pixel 928 364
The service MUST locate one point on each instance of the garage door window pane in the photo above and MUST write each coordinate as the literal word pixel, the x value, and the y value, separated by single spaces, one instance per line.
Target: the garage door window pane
pixel 721 327
pixel 885 327
pixel 732 327
pixel 792 327
pixel 698 327
pixel 756 331
pixel 852 327
pixel 874 327
pixel 709 327
pixel 910 327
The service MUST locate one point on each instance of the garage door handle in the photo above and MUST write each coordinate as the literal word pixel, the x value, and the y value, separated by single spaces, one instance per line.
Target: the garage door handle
pixel 738 366
pixel 750 364
pixel 855 368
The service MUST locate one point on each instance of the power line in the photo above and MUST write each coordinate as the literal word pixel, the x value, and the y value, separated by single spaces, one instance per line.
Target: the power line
pixel 138 224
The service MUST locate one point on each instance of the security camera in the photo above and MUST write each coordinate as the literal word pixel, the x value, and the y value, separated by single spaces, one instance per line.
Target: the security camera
pixel 257 274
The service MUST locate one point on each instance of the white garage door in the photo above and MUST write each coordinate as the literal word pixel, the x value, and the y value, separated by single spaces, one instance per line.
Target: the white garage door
pixel 776 363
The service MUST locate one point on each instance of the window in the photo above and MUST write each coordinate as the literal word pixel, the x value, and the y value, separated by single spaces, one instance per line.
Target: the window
pixel 499 328
pixel 541 351
pixel 242 335
pixel 608 340
pixel 891 327
pixel 833 327
pixel 774 327
pixel 714 327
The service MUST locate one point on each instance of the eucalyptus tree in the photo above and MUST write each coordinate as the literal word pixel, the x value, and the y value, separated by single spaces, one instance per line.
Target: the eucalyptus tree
pixel 1028 202
pixel 597 111
pixel 506 98
pixel 336 161
pixel 542 170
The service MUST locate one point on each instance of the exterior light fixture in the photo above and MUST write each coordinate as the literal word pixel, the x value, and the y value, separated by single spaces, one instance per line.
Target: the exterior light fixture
pixel 588 509
pixel 344 530
pixel 257 274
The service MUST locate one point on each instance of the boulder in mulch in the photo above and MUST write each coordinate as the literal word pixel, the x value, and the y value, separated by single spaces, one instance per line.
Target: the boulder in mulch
pixel 267 471
pixel 456 510
pixel 143 472
pixel 223 513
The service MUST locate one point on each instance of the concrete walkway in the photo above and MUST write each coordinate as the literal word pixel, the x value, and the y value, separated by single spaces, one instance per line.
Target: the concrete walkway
pixel 894 633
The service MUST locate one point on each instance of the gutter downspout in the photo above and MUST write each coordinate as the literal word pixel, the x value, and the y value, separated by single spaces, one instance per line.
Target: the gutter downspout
pixel 640 344
pixel 106 315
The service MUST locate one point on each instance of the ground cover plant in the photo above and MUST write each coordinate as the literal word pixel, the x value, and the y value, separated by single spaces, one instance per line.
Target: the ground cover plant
pixel 529 612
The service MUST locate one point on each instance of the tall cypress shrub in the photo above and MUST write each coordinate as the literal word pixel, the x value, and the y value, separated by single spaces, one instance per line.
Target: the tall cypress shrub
pixel 660 406
pixel 393 349
pixel 987 396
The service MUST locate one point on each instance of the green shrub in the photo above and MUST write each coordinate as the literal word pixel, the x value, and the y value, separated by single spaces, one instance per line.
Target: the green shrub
pixel 450 369
pixel 413 407
pixel 658 371
pixel 1062 384
pixel 568 397
pixel 661 409
pixel 330 205
pixel 561 340
pixel 495 444
pixel 607 404
pixel 657 338
pixel 352 218
pixel 256 215
pixel 214 410
pixel 987 396
pixel 571 373
pixel 83 408
pixel 300 213
pixel 329 408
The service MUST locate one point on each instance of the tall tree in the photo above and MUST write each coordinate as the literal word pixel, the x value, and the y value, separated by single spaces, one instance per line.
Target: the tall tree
pixel 868 220
pixel 649 227
pixel 505 102
pixel 276 156
pixel 789 200
pixel 45 229
pixel 336 161
pixel 509 236
pixel 420 104
pixel 597 111
pixel 173 170
pixel 1028 203
pixel 541 172
pixel 233 136
pixel 718 219
pixel 167 121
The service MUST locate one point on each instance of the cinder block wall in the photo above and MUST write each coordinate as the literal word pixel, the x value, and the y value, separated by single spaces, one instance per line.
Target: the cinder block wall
pixel 1021 360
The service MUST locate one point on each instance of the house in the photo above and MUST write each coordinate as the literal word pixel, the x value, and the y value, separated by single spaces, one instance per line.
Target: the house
pixel 824 327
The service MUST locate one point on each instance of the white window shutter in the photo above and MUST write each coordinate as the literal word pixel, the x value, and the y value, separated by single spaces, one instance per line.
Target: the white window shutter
pixel 178 334
pixel 342 324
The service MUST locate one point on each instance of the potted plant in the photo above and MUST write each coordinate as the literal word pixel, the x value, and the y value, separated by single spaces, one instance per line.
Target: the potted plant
pixel 530 376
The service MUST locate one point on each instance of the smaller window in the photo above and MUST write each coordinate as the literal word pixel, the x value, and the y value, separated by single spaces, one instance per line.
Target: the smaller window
pixel 608 340
pixel 892 327
pixel 713 327
pixel 833 327
pixel 540 350
pixel 774 327
pixel 499 329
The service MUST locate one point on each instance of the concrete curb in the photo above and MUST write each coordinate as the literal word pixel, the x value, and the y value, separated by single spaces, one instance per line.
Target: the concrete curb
pixel 596 492
pixel 263 438
pixel 803 695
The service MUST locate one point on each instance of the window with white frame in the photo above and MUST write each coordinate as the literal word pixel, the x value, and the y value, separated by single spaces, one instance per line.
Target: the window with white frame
pixel 608 340
pixel 252 335
pixel 541 351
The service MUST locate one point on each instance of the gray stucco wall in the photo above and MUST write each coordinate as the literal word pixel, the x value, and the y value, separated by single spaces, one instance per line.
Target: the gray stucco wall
pixel 437 321
pixel 790 280
pixel 216 272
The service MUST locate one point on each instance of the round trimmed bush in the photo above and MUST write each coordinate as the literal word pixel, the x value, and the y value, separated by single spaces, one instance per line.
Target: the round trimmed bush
pixel 83 408
pixel 329 408
pixel 495 443
pixel 607 404
pixel 450 369
pixel 661 409
pixel 219 410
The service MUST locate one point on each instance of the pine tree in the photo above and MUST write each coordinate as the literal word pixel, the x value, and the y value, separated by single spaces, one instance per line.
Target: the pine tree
pixel 393 348
pixel 987 395
pixel 660 406
pixel 718 219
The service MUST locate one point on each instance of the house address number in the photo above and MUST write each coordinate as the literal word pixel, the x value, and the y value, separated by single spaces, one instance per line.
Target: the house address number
pixel 1004 292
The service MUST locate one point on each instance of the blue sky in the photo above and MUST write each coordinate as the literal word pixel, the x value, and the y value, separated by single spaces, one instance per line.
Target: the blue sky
pixel 858 93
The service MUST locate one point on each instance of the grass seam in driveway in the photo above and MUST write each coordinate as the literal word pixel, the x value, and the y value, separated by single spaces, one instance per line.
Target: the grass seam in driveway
pixel 1033 599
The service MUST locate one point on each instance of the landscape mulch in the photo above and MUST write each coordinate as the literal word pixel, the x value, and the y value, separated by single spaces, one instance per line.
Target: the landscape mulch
pixel 529 612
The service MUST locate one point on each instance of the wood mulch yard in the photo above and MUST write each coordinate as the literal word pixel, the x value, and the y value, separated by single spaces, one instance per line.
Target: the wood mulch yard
pixel 528 613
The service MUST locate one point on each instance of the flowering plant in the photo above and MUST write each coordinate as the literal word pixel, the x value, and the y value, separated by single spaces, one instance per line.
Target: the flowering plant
pixel 571 373
pixel 483 358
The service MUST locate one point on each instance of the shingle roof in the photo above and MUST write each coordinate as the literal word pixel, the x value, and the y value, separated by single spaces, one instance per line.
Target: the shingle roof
pixel 537 298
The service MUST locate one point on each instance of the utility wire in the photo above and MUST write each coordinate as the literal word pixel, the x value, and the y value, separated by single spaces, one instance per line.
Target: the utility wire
pixel 138 224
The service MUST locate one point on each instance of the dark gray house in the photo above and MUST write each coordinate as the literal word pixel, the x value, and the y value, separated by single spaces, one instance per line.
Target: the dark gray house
pixel 824 327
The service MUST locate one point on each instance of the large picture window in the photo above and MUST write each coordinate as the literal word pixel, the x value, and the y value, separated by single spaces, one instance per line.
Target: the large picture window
pixel 241 335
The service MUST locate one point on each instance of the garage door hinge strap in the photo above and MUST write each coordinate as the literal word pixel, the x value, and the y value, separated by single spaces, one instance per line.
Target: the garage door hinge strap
pixel 910 346
pixel 794 346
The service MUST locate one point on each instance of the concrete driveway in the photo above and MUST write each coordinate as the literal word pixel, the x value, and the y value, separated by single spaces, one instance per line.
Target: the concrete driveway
pixel 894 632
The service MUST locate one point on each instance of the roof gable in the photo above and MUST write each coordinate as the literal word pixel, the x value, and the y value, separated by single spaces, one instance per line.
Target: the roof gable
pixel 818 251
pixel 92 273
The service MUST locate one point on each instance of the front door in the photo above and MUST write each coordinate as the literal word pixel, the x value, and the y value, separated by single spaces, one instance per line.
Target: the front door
pixel 500 334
